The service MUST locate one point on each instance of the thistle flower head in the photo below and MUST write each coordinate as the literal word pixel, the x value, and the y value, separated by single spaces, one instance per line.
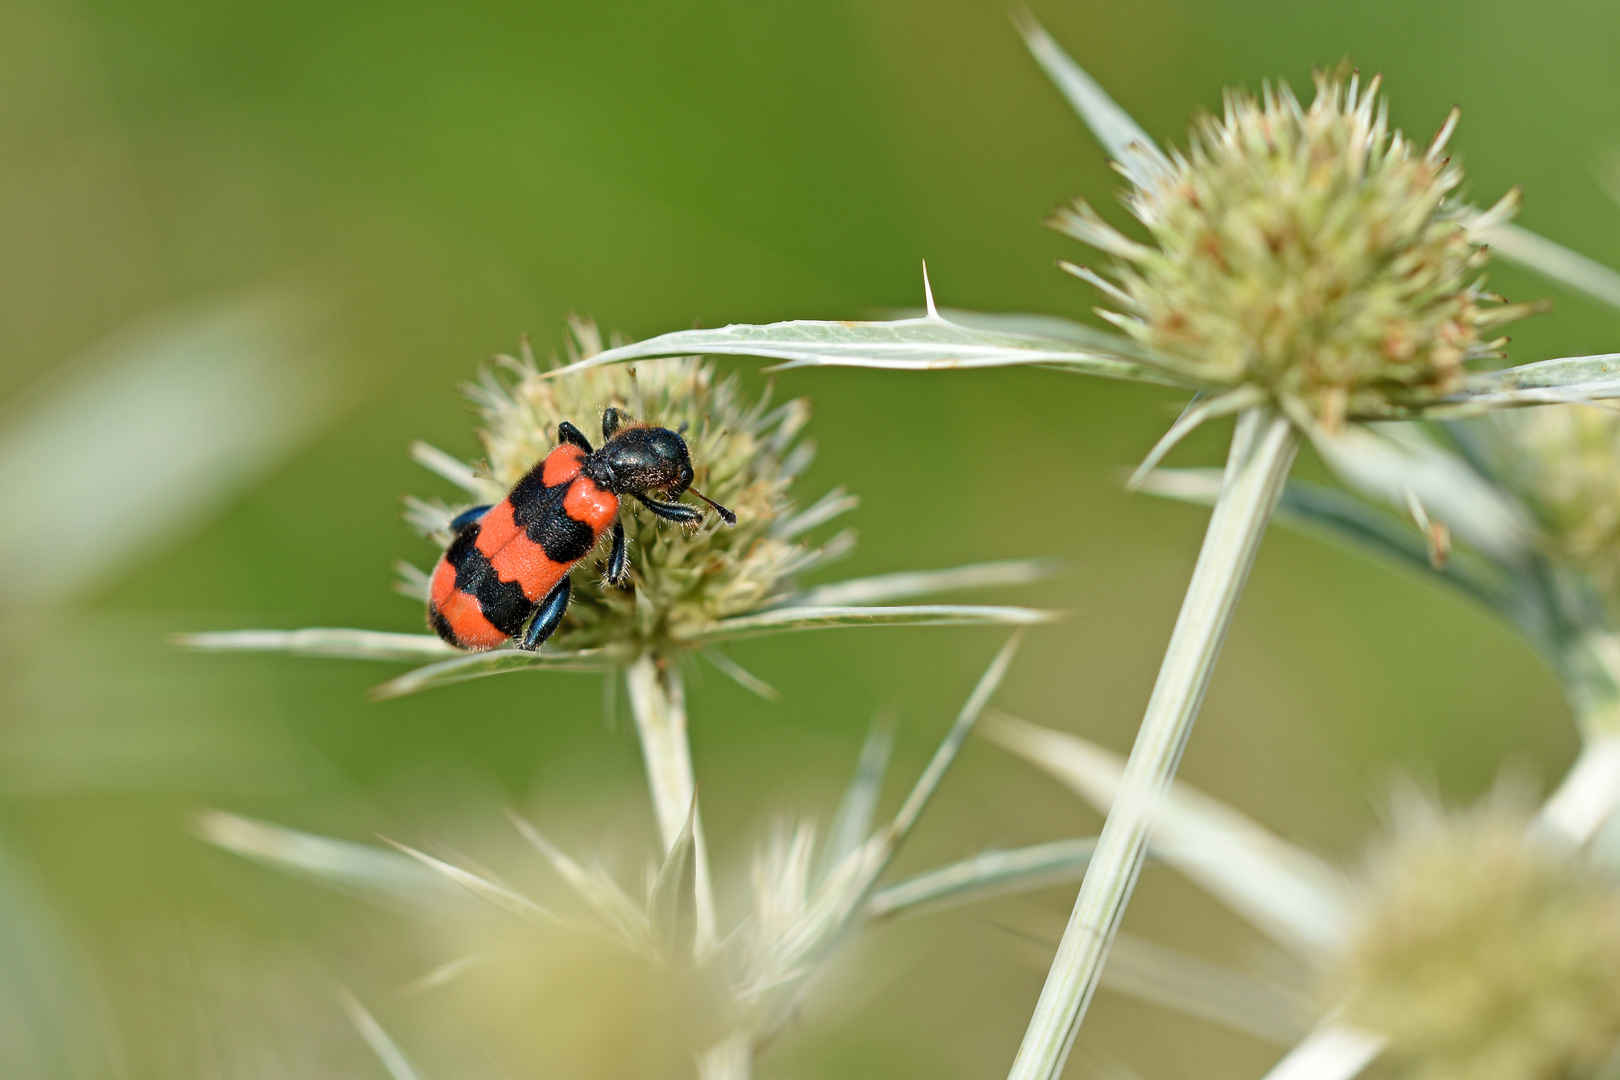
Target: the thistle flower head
pixel 1308 251
pixel 1563 462
pixel 1481 953
pixel 745 453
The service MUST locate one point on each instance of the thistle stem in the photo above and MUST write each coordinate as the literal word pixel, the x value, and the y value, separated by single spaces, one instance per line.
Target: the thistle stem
pixel 1263 448
pixel 658 700
pixel 732 1058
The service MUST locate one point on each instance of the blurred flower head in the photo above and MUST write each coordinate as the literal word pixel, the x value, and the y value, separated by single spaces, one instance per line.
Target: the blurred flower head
pixel 584 968
pixel 1307 251
pixel 1481 953
pixel 1563 463
pixel 1480 943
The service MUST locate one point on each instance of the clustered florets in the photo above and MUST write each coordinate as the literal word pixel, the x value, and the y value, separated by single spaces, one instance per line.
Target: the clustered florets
pixel 1308 251
pixel 1483 951
pixel 745 453
pixel 1560 460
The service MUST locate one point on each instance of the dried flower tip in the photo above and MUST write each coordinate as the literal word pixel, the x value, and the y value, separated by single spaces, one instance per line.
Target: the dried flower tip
pixel 1481 954
pixel 1309 251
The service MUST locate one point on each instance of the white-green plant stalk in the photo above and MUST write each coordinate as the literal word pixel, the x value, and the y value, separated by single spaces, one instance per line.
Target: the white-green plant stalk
pixel 658 700
pixel 1263 448
pixel 732 1058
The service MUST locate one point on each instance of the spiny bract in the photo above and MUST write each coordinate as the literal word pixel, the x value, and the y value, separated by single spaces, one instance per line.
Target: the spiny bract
pixel 1307 251
pixel 1483 952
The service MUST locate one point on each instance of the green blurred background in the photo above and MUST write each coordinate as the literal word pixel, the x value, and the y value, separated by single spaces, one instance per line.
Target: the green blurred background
pixel 413 186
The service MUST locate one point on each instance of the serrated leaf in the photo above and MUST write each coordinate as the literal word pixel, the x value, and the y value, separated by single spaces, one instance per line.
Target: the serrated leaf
pixel 339 642
pixel 1285 891
pixel 988 874
pixel 930 343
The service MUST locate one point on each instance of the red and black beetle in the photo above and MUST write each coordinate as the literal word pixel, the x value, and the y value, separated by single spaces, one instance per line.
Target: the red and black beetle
pixel 508 564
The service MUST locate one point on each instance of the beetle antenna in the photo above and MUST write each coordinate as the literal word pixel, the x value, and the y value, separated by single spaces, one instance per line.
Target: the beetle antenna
pixel 725 515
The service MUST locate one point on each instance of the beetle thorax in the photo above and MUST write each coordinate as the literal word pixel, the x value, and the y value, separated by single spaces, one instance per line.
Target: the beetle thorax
pixel 640 459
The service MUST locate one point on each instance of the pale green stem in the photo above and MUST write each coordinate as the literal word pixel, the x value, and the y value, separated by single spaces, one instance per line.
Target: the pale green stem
pixel 732 1058
pixel 1595 660
pixel 1590 792
pixel 1263 448
pixel 658 700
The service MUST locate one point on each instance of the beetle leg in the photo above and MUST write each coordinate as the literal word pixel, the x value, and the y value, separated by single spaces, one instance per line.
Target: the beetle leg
pixel 547 618
pixel 568 433
pixel 618 565
pixel 671 511
pixel 611 419
pixel 468 517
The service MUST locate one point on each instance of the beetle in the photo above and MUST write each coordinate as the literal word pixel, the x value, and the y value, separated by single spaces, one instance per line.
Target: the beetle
pixel 505 573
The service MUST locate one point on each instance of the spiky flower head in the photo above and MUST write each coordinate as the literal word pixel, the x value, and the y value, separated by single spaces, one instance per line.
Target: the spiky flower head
pixel 1563 462
pixel 683 580
pixel 1310 252
pixel 1483 951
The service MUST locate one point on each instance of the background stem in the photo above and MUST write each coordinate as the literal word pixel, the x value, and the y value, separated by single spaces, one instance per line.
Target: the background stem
pixel 1263 448
pixel 658 700
pixel 732 1058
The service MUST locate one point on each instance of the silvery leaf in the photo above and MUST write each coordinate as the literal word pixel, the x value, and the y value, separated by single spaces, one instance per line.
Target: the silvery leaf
pixel 930 343
pixel 990 873
pixel 1119 134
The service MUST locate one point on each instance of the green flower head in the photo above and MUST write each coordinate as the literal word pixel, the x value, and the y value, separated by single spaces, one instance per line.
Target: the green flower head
pixel 1563 462
pixel 1308 251
pixel 1482 953
pixel 683 580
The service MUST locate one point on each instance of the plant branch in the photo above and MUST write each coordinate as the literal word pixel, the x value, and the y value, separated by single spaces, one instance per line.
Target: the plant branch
pixel 658 700
pixel 1263 448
